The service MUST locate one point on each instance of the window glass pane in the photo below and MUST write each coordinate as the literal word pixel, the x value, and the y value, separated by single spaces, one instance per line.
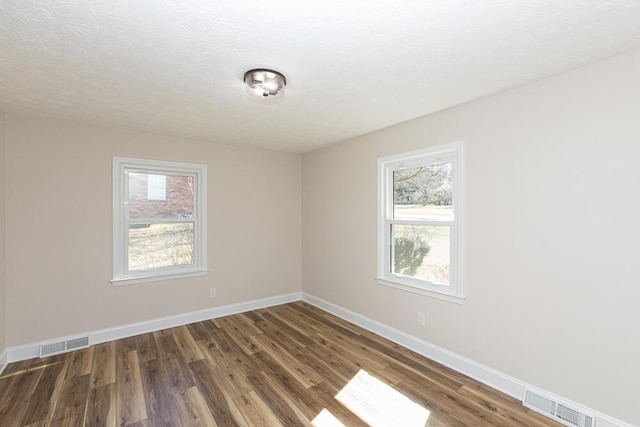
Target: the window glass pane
pixel 159 195
pixel 423 192
pixel 160 245
pixel 421 251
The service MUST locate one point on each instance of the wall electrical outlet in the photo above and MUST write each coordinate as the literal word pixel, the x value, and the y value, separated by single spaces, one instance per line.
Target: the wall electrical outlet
pixel 421 319
pixel 212 293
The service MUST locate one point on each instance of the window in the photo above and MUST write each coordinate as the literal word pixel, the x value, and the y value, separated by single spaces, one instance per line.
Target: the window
pixel 419 223
pixel 159 220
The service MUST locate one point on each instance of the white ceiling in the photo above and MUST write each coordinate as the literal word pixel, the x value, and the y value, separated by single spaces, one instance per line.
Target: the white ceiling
pixel 352 67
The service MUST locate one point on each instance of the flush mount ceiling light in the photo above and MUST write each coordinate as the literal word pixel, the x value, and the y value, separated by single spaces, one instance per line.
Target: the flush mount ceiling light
pixel 265 85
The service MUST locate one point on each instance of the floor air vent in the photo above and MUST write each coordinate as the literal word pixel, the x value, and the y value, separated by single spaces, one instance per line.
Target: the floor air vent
pixel 63 346
pixel 563 412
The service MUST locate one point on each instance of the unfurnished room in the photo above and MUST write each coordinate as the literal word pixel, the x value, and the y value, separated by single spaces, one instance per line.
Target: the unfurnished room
pixel 336 213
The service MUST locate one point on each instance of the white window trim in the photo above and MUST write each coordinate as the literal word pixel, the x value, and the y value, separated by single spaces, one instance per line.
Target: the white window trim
pixel 454 291
pixel 120 249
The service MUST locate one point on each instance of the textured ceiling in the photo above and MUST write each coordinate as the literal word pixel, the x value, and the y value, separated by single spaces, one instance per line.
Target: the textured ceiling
pixel 352 67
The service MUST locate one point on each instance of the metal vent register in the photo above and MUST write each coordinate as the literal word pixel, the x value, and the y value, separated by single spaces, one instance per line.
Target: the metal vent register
pixel 563 412
pixel 63 346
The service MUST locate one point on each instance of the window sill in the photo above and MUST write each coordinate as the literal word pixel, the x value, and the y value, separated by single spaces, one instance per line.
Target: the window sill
pixel 458 299
pixel 144 279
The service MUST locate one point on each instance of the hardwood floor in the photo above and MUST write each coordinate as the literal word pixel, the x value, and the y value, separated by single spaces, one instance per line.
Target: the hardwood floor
pixel 289 365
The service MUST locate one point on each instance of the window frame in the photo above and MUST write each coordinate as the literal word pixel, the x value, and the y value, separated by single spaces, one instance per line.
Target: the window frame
pixel 386 166
pixel 121 274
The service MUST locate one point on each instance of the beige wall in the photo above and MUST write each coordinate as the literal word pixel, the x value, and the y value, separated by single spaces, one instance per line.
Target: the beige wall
pixel 59 221
pixel 551 233
pixel 2 228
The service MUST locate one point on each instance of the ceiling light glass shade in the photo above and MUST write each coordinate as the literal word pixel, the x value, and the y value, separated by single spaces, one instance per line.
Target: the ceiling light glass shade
pixel 265 84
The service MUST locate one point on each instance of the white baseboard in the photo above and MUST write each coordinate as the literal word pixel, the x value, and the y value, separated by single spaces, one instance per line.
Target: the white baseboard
pixel 486 375
pixel 4 360
pixel 29 351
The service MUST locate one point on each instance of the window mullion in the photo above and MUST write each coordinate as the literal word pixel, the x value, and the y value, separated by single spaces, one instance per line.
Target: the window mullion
pixel 160 220
pixel 447 223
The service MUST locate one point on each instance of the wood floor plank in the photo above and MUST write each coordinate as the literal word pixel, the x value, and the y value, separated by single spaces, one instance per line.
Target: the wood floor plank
pixel 281 405
pixel 363 358
pixel 146 347
pixel 275 333
pixel 287 385
pixel 15 399
pixel 193 410
pixel 43 400
pixel 253 315
pixel 304 374
pixel 187 345
pixel 231 350
pixel 158 399
pixel 218 402
pixel 126 345
pixel 130 402
pixel 333 322
pixel 347 367
pixel 295 320
pixel 285 365
pixel 103 367
pixel 101 406
pixel 241 331
pixel 7 383
pixel 161 332
pixel 286 318
pixel 198 330
pixel 79 362
pixel 320 323
pixel 230 377
pixel 174 365
pixel 275 324
pixel 255 412
pixel 71 405
pixel 303 355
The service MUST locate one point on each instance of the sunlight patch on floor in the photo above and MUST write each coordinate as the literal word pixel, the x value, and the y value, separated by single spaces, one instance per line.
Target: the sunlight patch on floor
pixel 326 419
pixel 379 404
